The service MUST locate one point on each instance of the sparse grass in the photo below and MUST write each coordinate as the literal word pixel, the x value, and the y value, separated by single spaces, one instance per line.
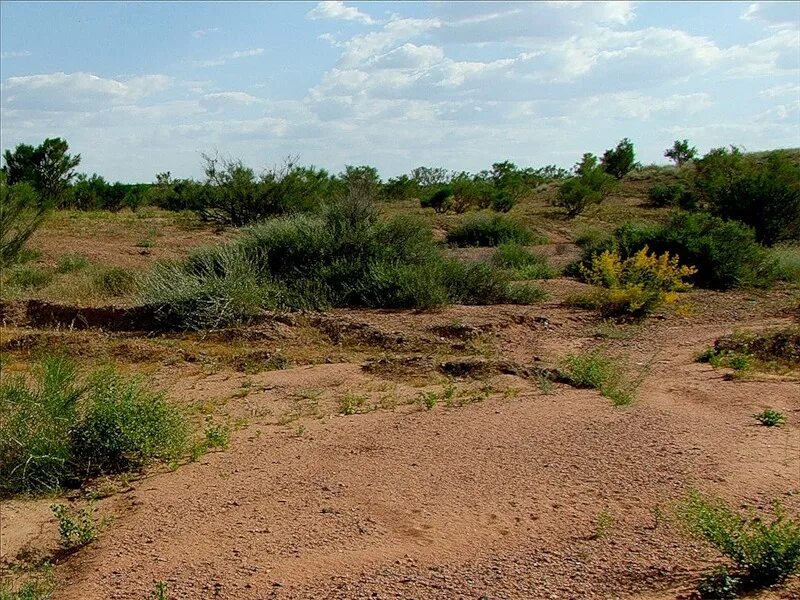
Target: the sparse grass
pixel 36 583
pixel 29 277
pixel 598 371
pixel 776 351
pixel 765 551
pixel 160 591
pixel 351 403
pixel 770 418
pixel 603 525
pixel 428 399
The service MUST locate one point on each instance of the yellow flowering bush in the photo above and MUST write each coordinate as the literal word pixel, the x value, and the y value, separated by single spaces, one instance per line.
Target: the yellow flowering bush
pixel 636 285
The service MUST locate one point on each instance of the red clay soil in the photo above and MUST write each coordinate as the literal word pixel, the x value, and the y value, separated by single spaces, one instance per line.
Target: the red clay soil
pixel 525 495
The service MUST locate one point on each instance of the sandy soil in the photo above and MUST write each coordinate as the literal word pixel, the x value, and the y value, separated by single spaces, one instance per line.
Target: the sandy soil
pixel 523 494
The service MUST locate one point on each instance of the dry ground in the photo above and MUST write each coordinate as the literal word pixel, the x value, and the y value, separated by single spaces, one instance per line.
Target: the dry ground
pixel 502 494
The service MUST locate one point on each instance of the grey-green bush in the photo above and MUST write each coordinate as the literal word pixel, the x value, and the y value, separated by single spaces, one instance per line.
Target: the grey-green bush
pixel 485 229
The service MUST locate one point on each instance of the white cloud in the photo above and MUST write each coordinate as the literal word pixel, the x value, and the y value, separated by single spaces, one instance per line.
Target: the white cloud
pixel 204 32
pixel 786 89
pixel 335 9
pixel 772 55
pixel 78 91
pixel 774 14
pixel 16 54
pixel 225 58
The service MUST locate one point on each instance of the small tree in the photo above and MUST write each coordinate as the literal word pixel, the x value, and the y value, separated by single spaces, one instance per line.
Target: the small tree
pixel 589 186
pixel 681 152
pixel 47 167
pixel 620 160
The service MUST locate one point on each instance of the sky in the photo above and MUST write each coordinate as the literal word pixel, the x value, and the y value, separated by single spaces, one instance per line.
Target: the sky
pixel 142 88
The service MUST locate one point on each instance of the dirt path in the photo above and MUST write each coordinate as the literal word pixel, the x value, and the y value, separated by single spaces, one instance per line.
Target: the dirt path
pixel 526 496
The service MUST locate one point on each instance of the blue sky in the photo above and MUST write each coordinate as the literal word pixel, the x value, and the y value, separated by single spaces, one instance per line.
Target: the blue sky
pixel 140 88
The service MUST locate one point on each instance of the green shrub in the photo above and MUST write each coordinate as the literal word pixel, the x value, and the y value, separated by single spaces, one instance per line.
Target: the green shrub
pixel 764 194
pixel 76 528
pixel 521 262
pixel 767 552
pixel 114 281
pixel 671 194
pixel 60 429
pixel 724 253
pixel 484 229
pixel 770 418
pixel 38 584
pixel 597 371
pixel 718 585
pixel 681 152
pixel 503 201
pixel 346 256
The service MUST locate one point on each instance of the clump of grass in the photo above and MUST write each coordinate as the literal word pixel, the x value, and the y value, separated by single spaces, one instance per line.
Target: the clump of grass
pixel 770 417
pixel 114 281
pixel 71 263
pixel 30 277
pixel 483 229
pixel 603 525
pixel 61 428
pixel 351 403
pixel 76 527
pixel 160 591
pixel 764 551
pixel 598 371
pixel 216 436
pixel 428 399
pixel 521 262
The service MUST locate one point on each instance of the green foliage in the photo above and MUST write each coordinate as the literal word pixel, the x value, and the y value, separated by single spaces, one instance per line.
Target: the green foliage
pixel 597 371
pixel 620 160
pixel 440 200
pixel 160 591
pixel 725 253
pixel 590 185
pixel 76 528
pixel 47 167
pixel 351 403
pixel 767 552
pixel 483 229
pixel 719 584
pixel 770 418
pixel 346 256
pixel 521 262
pixel 59 429
pixel 20 217
pixel 671 194
pixel 428 399
pixel 681 152
pixel 71 263
pixel 764 194
pixel 786 260
pixel 401 188
pixel 29 276
pixel 235 195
